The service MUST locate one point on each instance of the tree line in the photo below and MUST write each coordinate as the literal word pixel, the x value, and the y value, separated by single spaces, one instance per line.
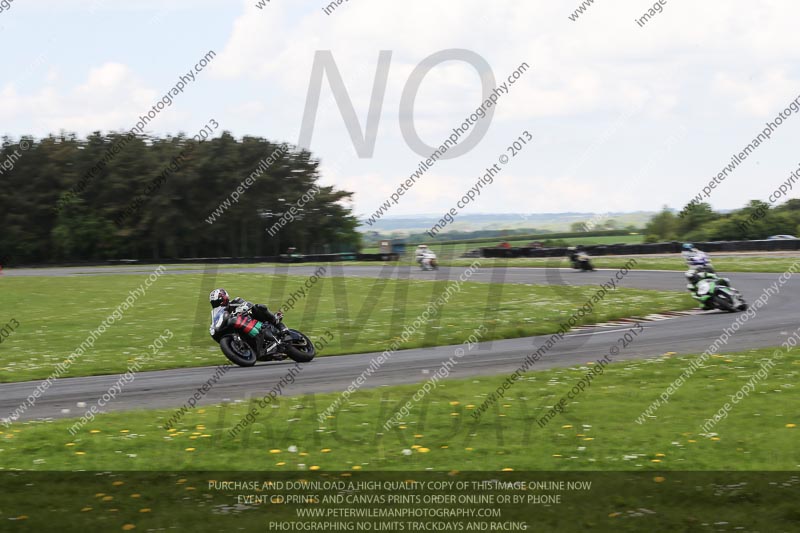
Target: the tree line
pixel 118 196
pixel 699 222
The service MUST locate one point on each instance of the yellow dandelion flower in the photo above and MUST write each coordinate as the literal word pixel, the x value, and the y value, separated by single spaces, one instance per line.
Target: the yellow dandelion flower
pixel 282 463
pixel 444 446
pixel 145 510
pixel 275 451
pixel 655 460
pixel 302 454
pixel 690 440
pixel 556 455
pixel 94 431
pixel 80 453
pixel 423 450
pixel 136 495
pixel 125 431
pixel 86 509
pixel 614 515
pixel 314 467
pixel 507 470
pixel 566 426
pixel 418 436
pixel 455 414
pixel 200 426
pixel 660 455
pixel 470 406
pixel 454 403
pixel 70 444
pixel 201 411
pixel 182 480
pixel 589 438
pixel 415 446
pixel 128 527
pixel 118 483
pixel 356 467
pixel 658 479
pixel 791 425
pixel 99 494
pixel 714 438
pixel 107 498
pixel 190 449
pixel 325 450
pixel 468 449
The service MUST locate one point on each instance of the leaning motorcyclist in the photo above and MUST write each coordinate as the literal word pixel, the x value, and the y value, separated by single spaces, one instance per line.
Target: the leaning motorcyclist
pixel 245 316
pixel 699 290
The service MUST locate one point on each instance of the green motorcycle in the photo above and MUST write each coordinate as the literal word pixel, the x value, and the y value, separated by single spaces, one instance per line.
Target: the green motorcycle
pixel 716 295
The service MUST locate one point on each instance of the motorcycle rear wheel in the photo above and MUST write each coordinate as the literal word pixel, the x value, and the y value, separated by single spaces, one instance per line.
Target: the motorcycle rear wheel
pixel 301 351
pixel 725 303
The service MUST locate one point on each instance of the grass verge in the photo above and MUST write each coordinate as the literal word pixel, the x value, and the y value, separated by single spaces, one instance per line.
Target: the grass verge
pixel 363 315
pixel 597 431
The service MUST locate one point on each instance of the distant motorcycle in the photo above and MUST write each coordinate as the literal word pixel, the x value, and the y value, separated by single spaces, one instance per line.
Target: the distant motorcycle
pixel 700 262
pixel 428 261
pixel 580 261
pixel 243 350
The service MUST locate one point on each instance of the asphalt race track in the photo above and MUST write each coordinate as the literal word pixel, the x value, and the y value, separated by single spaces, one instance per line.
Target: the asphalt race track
pixel 171 388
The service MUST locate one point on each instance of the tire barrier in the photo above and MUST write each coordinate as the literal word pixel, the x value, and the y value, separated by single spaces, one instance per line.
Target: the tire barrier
pixel 772 245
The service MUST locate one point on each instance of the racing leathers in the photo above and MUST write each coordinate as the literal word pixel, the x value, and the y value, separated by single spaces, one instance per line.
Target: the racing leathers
pixel 249 318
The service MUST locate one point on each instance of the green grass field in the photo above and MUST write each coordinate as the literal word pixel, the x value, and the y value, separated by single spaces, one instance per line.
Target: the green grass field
pixel 362 314
pixel 596 432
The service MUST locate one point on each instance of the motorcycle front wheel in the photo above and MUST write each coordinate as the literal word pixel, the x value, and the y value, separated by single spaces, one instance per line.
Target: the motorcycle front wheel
pixel 237 351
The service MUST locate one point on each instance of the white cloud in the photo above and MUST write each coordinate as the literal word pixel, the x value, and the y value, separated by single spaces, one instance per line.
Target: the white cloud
pixel 110 98
pixel 716 67
pixel 761 94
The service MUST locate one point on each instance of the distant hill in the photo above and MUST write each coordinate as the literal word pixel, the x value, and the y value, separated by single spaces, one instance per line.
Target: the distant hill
pixel 402 225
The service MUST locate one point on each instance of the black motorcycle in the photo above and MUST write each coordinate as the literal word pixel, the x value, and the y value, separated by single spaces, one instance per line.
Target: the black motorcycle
pixel 581 261
pixel 243 349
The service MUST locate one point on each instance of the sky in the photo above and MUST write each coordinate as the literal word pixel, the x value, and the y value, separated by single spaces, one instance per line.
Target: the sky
pixel 622 117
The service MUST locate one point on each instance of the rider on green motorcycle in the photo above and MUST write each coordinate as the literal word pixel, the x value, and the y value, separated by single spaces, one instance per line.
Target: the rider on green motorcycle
pixel 699 285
